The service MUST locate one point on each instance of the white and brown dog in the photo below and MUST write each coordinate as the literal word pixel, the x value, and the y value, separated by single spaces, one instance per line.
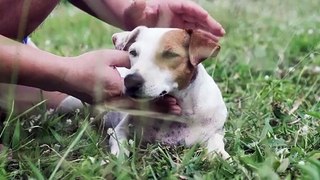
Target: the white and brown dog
pixel 168 61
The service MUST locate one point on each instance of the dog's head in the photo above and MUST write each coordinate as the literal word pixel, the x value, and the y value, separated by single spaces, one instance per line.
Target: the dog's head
pixel 163 60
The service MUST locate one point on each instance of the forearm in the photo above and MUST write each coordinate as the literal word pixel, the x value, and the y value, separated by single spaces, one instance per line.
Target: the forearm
pixel 110 11
pixel 24 65
pixel 18 18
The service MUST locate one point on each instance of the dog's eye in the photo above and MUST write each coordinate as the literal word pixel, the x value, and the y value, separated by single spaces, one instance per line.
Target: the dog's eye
pixel 133 53
pixel 169 54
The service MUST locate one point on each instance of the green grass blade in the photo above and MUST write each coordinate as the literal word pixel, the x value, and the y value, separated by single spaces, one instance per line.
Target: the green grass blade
pixel 36 172
pixel 74 142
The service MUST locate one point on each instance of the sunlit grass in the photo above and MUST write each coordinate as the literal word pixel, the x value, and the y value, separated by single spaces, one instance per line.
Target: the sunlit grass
pixel 265 71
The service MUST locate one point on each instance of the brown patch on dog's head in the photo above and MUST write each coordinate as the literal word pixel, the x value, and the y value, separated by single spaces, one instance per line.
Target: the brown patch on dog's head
pixel 180 52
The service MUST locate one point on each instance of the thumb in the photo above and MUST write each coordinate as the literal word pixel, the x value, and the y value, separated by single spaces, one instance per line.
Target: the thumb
pixel 120 59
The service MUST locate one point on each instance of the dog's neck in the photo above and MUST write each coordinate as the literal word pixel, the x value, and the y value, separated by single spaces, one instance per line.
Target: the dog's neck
pixel 187 98
pixel 194 76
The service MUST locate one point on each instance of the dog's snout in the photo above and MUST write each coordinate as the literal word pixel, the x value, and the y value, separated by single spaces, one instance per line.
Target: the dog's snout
pixel 133 83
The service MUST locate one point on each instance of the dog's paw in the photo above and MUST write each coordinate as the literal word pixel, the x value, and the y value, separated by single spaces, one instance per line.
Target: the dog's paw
pixel 120 153
pixel 117 148
pixel 224 155
pixel 220 152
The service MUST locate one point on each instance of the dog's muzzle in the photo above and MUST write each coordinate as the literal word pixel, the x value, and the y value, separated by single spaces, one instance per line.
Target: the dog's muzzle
pixel 133 84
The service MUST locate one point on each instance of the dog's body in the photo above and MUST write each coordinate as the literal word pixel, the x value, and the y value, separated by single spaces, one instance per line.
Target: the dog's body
pixel 202 119
pixel 168 61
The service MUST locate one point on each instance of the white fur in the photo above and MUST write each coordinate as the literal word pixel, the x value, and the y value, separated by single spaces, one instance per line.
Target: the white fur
pixel 203 109
pixel 156 79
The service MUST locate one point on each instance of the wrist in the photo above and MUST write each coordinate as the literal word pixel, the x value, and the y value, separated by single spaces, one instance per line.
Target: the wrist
pixel 54 73
pixel 62 81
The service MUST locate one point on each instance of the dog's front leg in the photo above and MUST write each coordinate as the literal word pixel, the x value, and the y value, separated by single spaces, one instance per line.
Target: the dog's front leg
pixel 216 144
pixel 118 139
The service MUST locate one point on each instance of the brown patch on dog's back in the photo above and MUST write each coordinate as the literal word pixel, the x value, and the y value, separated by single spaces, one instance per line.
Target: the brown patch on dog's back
pixel 173 55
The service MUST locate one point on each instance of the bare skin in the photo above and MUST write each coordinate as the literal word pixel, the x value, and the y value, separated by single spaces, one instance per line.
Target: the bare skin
pixel 79 76
pixel 21 17
pixel 152 13
pixel 59 76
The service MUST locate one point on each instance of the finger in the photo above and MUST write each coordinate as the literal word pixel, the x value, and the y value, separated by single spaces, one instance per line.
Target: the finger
pixel 208 24
pixel 189 25
pixel 190 19
pixel 175 110
pixel 170 99
pixel 213 26
pixel 193 24
pixel 188 7
pixel 203 30
pixel 192 12
pixel 209 35
pixel 119 59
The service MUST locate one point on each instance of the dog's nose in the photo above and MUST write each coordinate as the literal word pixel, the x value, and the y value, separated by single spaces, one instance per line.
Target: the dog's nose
pixel 133 83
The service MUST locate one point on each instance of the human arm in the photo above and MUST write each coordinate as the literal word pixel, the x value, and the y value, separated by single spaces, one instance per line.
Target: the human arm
pixel 127 14
pixel 110 11
pixel 18 18
pixel 28 66
pixel 77 76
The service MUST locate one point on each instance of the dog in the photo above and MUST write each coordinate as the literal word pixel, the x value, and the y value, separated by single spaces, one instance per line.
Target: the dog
pixel 167 61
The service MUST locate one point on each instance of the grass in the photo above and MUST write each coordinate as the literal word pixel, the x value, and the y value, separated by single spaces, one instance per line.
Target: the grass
pixel 266 72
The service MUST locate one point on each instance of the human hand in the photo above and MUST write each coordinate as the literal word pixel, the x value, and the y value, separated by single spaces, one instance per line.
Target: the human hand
pixel 92 77
pixel 168 13
pixel 166 104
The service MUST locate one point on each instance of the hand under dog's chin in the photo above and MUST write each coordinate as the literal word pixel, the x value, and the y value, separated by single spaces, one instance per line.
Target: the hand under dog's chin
pixel 141 98
pixel 144 98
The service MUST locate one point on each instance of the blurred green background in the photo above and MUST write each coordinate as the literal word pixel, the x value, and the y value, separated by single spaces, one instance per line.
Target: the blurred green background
pixel 267 70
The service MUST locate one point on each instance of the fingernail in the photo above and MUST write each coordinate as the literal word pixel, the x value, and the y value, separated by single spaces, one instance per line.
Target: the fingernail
pixel 222 31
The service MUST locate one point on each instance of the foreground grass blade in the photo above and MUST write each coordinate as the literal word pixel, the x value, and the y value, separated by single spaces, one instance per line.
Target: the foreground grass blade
pixel 36 172
pixel 74 142
pixel 9 120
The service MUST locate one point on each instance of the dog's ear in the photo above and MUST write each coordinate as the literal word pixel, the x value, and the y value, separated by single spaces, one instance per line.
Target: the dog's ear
pixel 202 45
pixel 123 40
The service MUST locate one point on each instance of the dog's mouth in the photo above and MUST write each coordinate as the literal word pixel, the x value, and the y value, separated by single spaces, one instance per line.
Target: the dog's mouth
pixel 142 97
pixel 138 95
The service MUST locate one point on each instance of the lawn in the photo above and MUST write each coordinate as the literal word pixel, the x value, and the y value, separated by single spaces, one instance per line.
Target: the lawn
pixel 268 71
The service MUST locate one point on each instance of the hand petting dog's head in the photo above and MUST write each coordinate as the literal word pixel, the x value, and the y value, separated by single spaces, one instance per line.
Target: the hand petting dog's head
pixel 163 60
